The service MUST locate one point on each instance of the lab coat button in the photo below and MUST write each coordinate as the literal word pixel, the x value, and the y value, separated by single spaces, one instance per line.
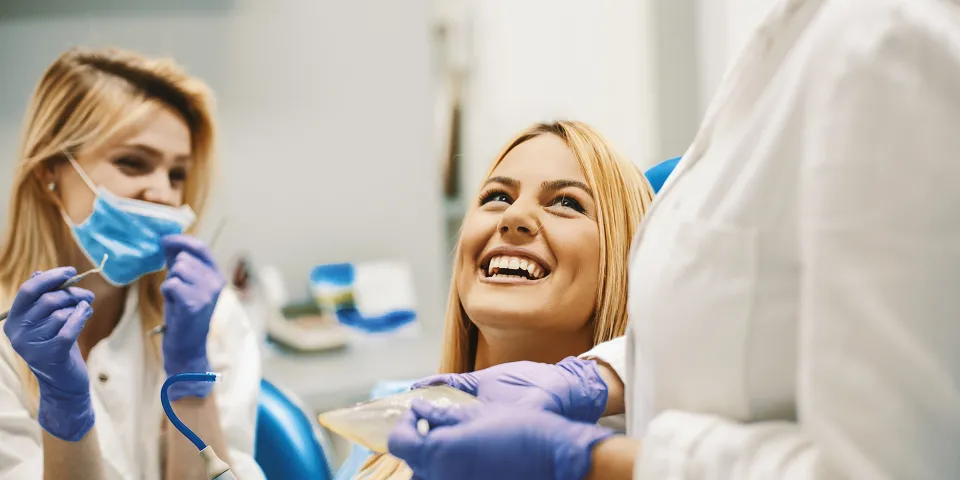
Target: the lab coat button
pixel 103 377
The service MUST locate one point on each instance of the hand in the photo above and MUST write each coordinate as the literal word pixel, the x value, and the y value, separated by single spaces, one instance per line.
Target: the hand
pixel 572 388
pixel 498 441
pixel 190 292
pixel 43 327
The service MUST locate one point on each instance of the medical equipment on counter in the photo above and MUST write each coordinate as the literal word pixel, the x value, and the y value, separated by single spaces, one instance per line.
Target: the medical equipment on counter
pixel 217 469
pixel 302 326
pixel 369 423
pixel 369 297
pixel 71 281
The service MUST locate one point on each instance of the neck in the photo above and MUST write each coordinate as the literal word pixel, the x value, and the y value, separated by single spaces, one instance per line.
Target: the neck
pixel 108 304
pixel 497 347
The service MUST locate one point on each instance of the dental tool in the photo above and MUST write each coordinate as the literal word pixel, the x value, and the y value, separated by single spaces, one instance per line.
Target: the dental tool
pixel 217 469
pixel 70 281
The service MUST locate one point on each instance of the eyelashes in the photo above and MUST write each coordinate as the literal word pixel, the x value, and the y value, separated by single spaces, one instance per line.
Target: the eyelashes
pixel 500 196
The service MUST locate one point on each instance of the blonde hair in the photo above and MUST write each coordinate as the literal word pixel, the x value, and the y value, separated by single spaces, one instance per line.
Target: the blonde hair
pixel 622 195
pixel 86 99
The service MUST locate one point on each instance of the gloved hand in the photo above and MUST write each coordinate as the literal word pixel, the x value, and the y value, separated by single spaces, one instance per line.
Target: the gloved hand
pixel 500 441
pixel 191 291
pixel 572 388
pixel 43 327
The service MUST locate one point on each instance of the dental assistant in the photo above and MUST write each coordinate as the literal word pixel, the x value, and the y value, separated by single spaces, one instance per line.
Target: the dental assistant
pixel 116 159
pixel 793 292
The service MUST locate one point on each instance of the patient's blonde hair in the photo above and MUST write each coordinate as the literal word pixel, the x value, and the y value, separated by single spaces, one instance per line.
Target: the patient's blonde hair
pixel 85 100
pixel 622 195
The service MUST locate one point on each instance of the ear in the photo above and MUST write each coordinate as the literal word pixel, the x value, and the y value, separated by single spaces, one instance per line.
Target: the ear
pixel 46 173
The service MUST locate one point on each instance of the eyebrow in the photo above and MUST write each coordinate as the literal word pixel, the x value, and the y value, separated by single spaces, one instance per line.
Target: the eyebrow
pixel 153 152
pixel 560 184
pixel 548 185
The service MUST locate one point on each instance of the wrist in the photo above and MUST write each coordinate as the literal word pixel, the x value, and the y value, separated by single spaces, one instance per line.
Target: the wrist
pixel 174 365
pixel 67 417
pixel 574 458
pixel 185 360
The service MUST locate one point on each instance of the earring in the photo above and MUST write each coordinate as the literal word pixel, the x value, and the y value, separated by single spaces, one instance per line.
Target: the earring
pixel 51 186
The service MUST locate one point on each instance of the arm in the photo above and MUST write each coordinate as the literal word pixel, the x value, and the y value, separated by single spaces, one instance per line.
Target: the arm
pixel 880 255
pixel 42 327
pixel 203 417
pixel 80 460
pixel 611 358
pixel 613 459
pixel 26 450
pixel 208 331
pixel 226 419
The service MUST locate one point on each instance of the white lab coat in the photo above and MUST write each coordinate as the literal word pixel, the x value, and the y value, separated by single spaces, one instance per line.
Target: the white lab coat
pixel 126 399
pixel 793 296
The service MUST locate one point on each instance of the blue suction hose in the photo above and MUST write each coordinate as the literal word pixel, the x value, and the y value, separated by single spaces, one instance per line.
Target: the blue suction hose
pixel 216 468
pixel 168 409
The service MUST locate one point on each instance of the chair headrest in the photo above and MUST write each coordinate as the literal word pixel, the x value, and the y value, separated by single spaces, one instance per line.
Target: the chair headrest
pixel 658 173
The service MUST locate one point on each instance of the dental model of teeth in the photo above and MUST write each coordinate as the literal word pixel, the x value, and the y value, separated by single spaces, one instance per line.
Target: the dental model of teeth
pixel 509 266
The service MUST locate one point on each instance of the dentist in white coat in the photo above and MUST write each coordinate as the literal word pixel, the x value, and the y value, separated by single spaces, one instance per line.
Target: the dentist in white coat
pixel 795 291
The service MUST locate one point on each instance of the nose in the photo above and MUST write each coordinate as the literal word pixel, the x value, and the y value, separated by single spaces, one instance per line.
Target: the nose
pixel 519 223
pixel 157 189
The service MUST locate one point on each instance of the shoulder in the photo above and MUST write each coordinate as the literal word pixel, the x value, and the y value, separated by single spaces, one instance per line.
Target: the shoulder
pixel 870 32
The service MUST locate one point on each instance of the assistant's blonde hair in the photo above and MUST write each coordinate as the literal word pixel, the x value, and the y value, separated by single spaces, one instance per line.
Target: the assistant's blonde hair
pixel 622 195
pixel 85 100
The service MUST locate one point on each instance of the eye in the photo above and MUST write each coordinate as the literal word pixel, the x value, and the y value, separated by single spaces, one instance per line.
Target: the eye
pixel 131 164
pixel 495 196
pixel 178 175
pixel 568 202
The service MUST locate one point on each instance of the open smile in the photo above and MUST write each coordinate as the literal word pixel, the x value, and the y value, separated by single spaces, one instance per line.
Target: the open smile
pixel 515 268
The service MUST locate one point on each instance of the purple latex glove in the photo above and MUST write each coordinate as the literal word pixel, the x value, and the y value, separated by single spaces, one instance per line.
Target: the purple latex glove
pixel 191 291
pixel 572 388
pixel 484 441
pixel 43 327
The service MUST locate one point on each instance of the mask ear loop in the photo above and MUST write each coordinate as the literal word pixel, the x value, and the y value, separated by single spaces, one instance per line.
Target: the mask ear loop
pixel 83 175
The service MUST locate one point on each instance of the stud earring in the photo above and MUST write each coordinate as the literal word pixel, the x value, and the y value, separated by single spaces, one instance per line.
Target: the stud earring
pixel 51 186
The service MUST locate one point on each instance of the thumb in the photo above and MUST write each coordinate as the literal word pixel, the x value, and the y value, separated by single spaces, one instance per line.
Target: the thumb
pixel 438 416
pixel 466 382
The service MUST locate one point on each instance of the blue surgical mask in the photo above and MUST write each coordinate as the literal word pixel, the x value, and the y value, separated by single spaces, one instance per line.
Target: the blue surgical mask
pixel 127 230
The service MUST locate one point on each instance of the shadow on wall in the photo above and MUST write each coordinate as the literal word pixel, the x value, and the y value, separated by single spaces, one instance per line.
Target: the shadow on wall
pixel 65 8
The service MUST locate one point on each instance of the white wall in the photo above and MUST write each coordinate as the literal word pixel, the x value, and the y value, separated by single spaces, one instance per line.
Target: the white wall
pixel 324 108
pixel 724 26
pixel 627 67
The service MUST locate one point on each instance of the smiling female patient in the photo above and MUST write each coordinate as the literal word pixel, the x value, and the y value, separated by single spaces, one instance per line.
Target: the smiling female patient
pixel 538 274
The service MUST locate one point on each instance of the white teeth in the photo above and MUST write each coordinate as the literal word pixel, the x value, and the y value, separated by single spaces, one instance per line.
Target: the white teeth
pixel 513 263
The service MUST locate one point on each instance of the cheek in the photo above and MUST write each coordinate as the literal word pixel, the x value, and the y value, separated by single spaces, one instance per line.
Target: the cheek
pixel 77 199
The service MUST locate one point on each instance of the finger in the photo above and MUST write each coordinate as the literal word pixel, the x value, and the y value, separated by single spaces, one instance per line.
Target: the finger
pixel 405 442
pixel 75 322
pixel 190 269
pixel 52 301
pixel 173 289
pixel 32 289
pixel 464 382
pixel 47 327
pixel 440 416
pixel 174 244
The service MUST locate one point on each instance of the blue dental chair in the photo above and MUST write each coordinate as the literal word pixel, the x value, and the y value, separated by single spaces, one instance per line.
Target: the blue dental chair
pixel 288 445
pixel 658 173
